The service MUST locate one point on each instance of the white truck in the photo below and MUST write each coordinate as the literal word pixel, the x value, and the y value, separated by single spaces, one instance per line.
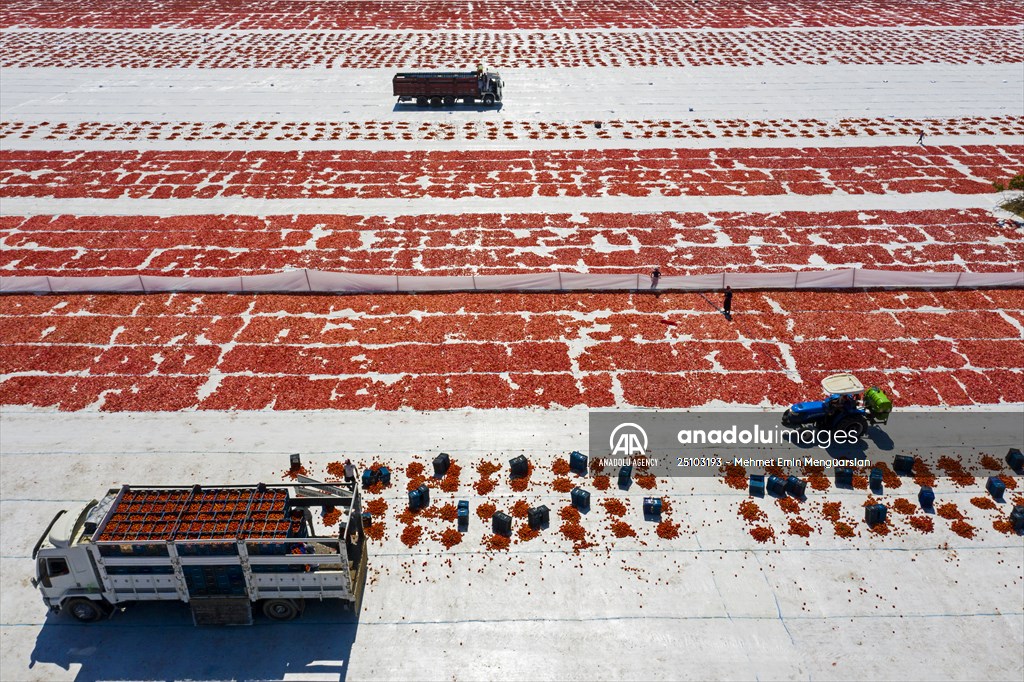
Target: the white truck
pixel 224 550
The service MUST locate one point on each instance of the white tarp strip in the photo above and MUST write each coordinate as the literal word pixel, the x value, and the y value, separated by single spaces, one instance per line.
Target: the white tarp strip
pixel 306 281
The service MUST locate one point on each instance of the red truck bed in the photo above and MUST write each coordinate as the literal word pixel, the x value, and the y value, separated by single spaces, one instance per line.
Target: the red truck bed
pixel 440 84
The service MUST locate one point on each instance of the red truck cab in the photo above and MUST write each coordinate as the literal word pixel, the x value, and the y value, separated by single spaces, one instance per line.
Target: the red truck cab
pixel 447 88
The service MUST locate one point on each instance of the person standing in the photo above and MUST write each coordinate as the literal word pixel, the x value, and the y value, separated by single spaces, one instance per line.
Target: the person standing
pixel 655 278
pixel 727 303
pixel 350 473
pixel 920 137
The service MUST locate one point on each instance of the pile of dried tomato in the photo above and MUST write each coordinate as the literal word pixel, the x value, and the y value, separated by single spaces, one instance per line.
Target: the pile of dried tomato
pixel 570 514
pixel 496 542
pixel 798 527
pixel 1009 481
pixel 647 481
pixel 614 507
pixel 962 528
pixel 486 510
pixel 789 505
pixel 602 482
pixel 763 533
pixel 955 470
pixel 983 502
pixel 830 510
pixel 411 535
pixel 486 484
pixel 296 471
pixel 520 509
pixel 377 507
pixel 520 484
pixel 450 482
pixel 750 511
pixel 922 523
pixel 949 510
pixel 621 529
pixel 450 538
pixel 337 470
pixel 880 529
pixel 573 531
pixel 843 530
pixel 735 476
pixel 448 512
pixel 668 530
pixel 923 476
pixel 1003 526
pixel 904 506
pixel 526 533
pixel 560 467
pixel 889 477
pixel 562 485
pixel 991 463
pixel 332 517
pixel 376 531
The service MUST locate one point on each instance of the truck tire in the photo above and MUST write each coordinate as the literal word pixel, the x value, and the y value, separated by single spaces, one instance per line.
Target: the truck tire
pixel 85 610
pixel 449 101
pixel 421 101
pixel 280 609
pixel 854 423
pixel 488 99
pixel 435 101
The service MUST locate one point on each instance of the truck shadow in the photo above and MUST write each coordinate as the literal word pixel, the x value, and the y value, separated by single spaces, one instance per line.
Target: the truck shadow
pixel 409 106
pixel 159 642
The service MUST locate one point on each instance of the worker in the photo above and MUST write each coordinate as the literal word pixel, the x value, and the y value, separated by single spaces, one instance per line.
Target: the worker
pixel 350 473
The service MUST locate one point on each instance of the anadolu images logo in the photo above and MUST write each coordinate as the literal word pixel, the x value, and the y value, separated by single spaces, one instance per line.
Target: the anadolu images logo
pixel 627 440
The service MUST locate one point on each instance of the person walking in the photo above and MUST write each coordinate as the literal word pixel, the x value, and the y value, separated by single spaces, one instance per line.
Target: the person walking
pixel 655 277
pixel 920 137
pixel 727 303
pixel 350 473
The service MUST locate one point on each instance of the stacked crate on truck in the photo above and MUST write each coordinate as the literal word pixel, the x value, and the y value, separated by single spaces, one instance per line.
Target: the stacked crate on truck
pixel 221 550
pixel 448 87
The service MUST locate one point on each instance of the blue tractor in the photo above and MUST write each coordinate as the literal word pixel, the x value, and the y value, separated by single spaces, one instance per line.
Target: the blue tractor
pixel 847 407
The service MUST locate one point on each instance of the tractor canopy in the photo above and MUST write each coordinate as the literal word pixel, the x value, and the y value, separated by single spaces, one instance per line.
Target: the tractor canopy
pixel 842 384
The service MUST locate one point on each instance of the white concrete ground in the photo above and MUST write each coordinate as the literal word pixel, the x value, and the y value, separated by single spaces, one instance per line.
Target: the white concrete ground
pixel 712 604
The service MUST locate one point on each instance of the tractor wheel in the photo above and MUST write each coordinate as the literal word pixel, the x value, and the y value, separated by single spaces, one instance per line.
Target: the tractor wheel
pixel 488 99
pixel 855 424
pixel 85 610
pixel 787 418
pixel 280 609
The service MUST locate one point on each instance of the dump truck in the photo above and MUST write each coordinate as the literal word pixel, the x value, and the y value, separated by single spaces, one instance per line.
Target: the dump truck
pixel 846 407
pixel 224 550
pixel 448 87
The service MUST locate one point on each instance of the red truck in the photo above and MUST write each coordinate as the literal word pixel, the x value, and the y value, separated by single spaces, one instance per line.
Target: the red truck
pixel 447 88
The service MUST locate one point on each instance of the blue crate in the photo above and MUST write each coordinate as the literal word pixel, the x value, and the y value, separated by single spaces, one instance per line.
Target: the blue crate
pixel 580 498
pixel 538 517
pixel 1015 458
pixel 903 465
pixel 757 485
pixel 369 477
pixel 995 487
pixel 875 478
pixel 424 492
pixel 415 500
pixel 501 524
pixel 441 464
pixel 776 486
pixel 844 477
pixel 384 476
pixel 796 487
pixel 625 476
pixel 519 466
pixel 462 509
pixel 1017 518
pixel 578 463
pixel 367 519
pixel 652 507
pixel 875 514
pixel 926 497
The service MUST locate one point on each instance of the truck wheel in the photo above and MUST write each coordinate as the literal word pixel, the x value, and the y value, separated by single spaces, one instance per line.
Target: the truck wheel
pixel 280 609
pixel 84 610
pixel 421 101
pixel 449 101
pixel 488 99
pixel 858 425
pixel 435 101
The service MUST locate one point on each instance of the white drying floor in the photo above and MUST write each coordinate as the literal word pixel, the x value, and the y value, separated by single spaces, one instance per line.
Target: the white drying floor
pixel 711 604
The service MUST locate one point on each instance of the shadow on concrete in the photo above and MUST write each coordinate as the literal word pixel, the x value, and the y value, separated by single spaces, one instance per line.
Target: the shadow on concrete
pixel 159 642
pixel 479 107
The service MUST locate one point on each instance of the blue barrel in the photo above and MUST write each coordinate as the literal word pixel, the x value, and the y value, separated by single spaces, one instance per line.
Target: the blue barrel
pixel 424 492
pixel 757 485
pixel 776 486
pixel 578 462
pixel 844 477
pixel 463 510
pixel 875 478
pixel 926 498
pixel 995 487
pixel 1015 458
pixel 796 487
pixel 580 498
pixel 903 465
pixel 367 519
pixel 652 507
pixel 625 476
pixel 1017 518
pixel 384 476
pixel 874 513
pixel 415 500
